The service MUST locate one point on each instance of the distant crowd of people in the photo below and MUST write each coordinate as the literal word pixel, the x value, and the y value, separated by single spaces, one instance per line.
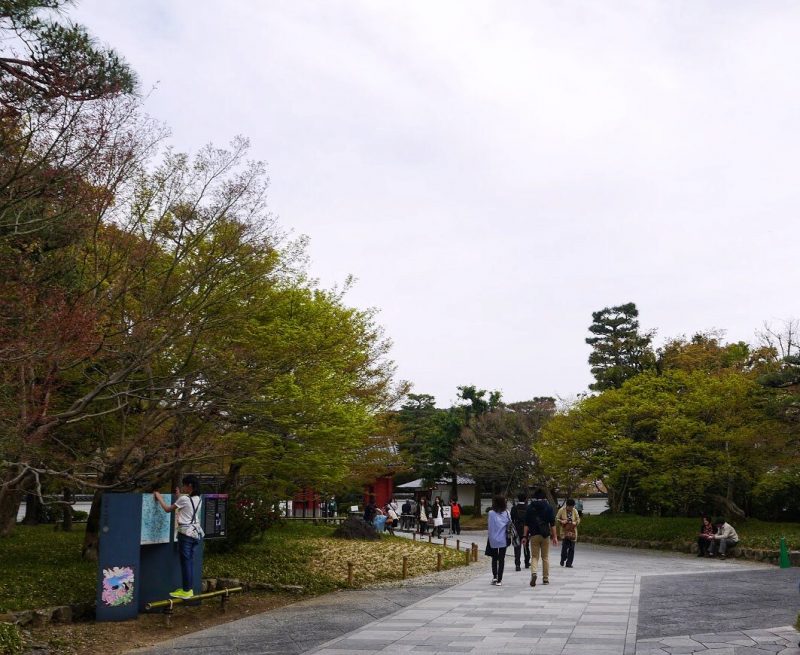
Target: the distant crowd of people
pixel 426 515
pixel 530 528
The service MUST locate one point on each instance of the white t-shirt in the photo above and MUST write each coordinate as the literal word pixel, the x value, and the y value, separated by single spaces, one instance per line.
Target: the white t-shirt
pixel 184 510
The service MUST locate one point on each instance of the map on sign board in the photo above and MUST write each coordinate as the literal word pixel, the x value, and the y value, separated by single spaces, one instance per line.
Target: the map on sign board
pixel 156 522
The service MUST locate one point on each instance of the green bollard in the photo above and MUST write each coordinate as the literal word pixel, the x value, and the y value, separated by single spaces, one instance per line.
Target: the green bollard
pixel 784 558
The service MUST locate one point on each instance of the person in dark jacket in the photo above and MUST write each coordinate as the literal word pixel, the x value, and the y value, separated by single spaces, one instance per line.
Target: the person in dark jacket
pixel 438 517
pixel 405 517
pixel 370 511
pixel 518 517
pixel 540 532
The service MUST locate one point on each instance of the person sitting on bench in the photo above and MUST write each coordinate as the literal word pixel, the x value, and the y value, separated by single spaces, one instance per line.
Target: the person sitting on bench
pixel 724 539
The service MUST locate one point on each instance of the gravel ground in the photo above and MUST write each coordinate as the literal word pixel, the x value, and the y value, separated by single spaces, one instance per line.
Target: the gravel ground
pixel 446 578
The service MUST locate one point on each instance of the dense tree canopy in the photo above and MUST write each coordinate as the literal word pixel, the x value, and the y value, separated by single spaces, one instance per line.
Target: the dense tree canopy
pixel 153 316
pixel 698 431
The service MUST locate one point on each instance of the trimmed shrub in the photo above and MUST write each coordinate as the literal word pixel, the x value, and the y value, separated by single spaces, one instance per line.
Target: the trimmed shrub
pixel 79 516
pixel 355 528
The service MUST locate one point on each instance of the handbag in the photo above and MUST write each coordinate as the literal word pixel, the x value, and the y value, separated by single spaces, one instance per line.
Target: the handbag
pixel 512 538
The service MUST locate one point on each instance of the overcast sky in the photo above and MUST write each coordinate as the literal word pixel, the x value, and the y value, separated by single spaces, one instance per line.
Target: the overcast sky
pixel 493 172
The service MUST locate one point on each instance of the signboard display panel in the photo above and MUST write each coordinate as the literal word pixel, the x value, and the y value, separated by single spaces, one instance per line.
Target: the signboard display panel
pixel 215 515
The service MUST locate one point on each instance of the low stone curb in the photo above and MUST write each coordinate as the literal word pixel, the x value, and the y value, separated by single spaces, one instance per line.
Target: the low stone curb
pixel 57 614
pixel 740 552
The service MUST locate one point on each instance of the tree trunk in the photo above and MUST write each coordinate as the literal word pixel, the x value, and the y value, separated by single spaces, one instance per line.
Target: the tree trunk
pixel 66 515
pixel 33 509
pixel 231 479
pixel 476 511
pixel 10 500
pixel 91 539
pixel 729 507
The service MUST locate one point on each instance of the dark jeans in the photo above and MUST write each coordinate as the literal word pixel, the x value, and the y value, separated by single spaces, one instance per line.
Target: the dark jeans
pixel 522 549
pixel 423 527
pixel 186 546
pixel 703 545
pixel 567 551
pixel 498 563
pixel 456 525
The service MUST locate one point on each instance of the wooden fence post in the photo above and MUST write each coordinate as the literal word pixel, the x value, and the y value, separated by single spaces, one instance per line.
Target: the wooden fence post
pixel 458 544
pixel 474 552
pixel 444 542
pixel 466 556
pixel 438 561
pixel 430 537
pixel 405 566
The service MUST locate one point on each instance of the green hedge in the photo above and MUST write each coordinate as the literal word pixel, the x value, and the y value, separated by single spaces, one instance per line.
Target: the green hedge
pixel 752 532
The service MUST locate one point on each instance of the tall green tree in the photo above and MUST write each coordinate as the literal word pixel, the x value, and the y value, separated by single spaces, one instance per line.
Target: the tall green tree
pixel 620 350
pixel 43 58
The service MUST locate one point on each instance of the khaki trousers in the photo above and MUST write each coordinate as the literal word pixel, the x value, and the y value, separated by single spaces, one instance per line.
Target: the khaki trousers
pixel 540 546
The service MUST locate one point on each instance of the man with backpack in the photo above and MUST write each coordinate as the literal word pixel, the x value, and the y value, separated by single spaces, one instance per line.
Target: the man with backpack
pixel 455 516
pixel 518 518
pixel 540 532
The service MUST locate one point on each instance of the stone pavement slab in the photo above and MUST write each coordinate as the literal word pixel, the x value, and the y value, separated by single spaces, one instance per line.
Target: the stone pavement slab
pixel 726 600
pixel 591 609
pixel 595 608
pixel 296 628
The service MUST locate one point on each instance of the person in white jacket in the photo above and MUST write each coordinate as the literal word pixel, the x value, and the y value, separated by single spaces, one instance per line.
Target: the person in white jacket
pixel 724 539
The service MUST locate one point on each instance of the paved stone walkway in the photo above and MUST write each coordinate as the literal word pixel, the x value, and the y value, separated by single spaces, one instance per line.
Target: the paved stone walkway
pixel 613 602
pixel 592 609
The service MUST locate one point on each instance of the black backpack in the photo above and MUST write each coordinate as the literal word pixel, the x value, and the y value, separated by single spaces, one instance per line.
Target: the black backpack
pixel 518 516
pixel 540 524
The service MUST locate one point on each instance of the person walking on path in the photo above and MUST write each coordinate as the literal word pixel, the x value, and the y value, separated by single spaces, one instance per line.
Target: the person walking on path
pixel 438 517
pixel 455 516
pixel 422 515
pixel 499 520
pixel 540 524
pixel 705 538
pixel 568 521
pixel 518 517
pixel 579 507
pixel 187 507
pixel 725 538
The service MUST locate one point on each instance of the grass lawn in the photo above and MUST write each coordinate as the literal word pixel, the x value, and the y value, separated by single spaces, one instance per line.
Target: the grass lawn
pixel 40 567
pixel 752 532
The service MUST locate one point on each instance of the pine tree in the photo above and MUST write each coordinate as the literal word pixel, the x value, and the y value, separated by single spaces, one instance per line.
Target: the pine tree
pixel 620 350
